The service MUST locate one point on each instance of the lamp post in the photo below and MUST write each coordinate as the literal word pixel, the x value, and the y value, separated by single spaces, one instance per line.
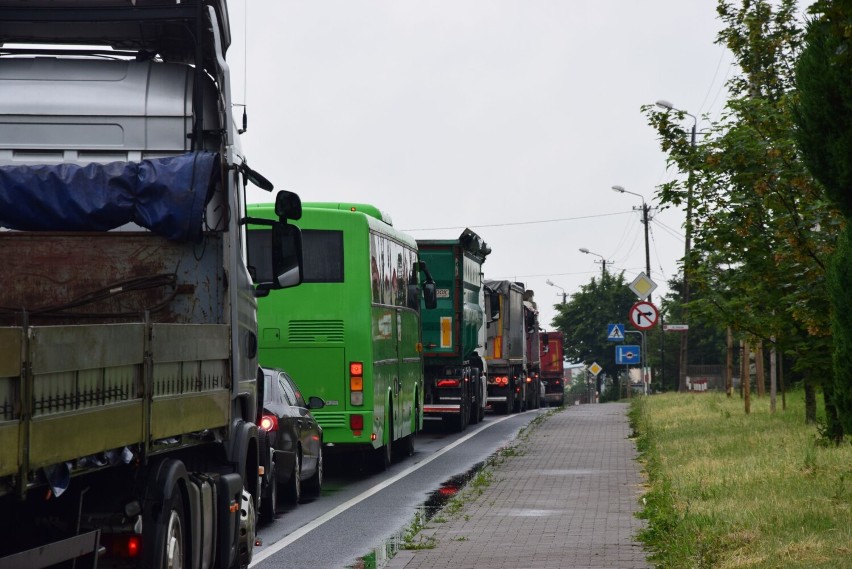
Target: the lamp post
pixel 645 208
pixel 551 283
pixel 684 338
pixel 603 259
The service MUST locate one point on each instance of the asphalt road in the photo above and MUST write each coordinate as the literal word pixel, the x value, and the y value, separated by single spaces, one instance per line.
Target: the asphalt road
pixel 359 511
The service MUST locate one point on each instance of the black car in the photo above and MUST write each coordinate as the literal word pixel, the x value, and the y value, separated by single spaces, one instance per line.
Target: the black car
pixel 290 443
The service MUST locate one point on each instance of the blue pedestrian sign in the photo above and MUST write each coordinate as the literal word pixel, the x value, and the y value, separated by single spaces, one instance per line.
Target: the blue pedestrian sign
pixel 615 332
pixel 626 355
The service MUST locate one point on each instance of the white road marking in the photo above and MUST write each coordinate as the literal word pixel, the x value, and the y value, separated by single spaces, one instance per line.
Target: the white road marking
pixel 302 531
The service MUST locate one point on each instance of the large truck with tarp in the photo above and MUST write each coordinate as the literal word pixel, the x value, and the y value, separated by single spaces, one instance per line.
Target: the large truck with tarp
pixel 128 334
pixel 553 367
pixel 454 378
pixel 533 396
pixel 506 347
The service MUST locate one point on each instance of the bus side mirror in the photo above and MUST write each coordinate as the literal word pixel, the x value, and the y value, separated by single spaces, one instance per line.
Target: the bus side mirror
pixel 430 295
pixel 286 255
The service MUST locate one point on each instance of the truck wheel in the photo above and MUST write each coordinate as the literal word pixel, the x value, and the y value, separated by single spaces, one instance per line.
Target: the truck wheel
pixel 269 499
pixel 474 405
pixel 174 542
pixel 248 529
pixel 294 486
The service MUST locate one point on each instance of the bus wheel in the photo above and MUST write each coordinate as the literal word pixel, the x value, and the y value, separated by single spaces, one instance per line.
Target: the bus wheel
pixel 405 446
pixel 382 457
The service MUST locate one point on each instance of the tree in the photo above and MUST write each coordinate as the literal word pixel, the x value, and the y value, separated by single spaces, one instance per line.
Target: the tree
pixel 824 136
pixel 763 229
pixel 584 318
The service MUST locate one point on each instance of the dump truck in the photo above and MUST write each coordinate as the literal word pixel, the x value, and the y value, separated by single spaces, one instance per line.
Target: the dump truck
pixel 454 377
pixel 533 398
pixel 128 331
pixel 506 347
pixel 553 367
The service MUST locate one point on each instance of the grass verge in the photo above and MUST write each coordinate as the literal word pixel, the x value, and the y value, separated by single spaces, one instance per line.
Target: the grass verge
pixel 729 490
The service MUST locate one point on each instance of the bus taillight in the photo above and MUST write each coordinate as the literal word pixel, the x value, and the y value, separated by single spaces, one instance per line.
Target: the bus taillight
pixel 356 383
pixel 356 423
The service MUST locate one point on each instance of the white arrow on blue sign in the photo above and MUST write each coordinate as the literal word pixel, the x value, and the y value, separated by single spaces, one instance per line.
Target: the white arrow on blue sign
pixel 626 355
pixel 615 332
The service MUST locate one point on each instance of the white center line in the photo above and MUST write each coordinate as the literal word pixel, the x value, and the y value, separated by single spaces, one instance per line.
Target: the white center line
pixel 282 543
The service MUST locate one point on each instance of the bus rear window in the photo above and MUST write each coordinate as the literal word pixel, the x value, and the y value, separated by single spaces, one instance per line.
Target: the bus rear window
pixel 322 255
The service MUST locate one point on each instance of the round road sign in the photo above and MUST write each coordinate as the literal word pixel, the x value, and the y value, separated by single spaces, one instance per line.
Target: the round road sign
pixel 644 315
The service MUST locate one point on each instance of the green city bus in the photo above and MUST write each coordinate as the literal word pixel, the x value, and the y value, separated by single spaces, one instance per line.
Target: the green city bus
pixel 350 333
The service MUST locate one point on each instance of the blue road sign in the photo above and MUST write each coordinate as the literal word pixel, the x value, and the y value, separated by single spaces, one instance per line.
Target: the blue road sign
pixel 615 332
pixel 626 355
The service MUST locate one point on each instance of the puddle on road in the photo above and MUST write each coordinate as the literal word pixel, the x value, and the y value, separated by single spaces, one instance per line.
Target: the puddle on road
pixel 404 538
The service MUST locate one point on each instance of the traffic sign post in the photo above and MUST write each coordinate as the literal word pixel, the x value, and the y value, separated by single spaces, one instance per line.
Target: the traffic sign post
pixel 643 315
pixel 615 332
pixel 642 286
pixel 627 354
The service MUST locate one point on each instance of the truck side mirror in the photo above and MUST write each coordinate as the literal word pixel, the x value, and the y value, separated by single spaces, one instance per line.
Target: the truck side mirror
pixel 288 205
pixel 545 339
pixel 286 255
pixel 430 295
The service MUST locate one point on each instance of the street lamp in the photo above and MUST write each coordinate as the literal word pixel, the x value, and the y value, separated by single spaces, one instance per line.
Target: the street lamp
pixel 551 283
pixel 684 338
pixel 603 259
pixel 645 208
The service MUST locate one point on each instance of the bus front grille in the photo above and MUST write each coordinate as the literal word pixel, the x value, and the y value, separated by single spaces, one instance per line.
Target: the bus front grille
pixel 316 331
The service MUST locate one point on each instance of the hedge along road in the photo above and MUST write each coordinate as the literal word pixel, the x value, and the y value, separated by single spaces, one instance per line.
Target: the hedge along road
pixel 346 521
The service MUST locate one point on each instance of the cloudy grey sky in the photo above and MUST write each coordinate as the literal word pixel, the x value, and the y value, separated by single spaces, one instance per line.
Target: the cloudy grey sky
pixel 512 117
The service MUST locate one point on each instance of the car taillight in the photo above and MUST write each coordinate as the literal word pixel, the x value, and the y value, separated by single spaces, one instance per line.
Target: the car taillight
pixel 501 380
pixel 356 384
pixel 269 423
pixel 448 383
pixel 529 379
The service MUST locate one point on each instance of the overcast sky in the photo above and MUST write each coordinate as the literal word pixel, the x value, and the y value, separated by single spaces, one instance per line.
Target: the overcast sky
pixel 511 117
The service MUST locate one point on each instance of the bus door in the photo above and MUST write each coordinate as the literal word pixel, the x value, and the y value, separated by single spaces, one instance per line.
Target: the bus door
pixel 410 368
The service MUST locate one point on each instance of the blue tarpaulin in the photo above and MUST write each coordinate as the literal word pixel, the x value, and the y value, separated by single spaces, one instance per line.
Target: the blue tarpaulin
pixel 165 195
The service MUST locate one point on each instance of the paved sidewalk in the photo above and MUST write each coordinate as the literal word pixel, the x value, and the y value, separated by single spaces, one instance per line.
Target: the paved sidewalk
pixel 567 499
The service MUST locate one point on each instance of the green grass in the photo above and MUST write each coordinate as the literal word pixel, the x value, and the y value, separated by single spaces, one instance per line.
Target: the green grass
pixel 730 490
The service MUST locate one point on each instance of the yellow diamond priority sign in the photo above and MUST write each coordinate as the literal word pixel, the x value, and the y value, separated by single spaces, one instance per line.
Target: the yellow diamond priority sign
pixel 595 369
pixel 642 286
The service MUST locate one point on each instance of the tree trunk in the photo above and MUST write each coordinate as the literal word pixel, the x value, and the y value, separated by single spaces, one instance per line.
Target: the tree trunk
pixel 781 382
pixel 833 426
pixel 729 365
pixel 759 372
pixel 747 377
pixel 773 373
pixel 810 402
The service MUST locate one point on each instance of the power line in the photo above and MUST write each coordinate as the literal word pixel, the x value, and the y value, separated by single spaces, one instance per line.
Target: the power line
pixel 477 226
